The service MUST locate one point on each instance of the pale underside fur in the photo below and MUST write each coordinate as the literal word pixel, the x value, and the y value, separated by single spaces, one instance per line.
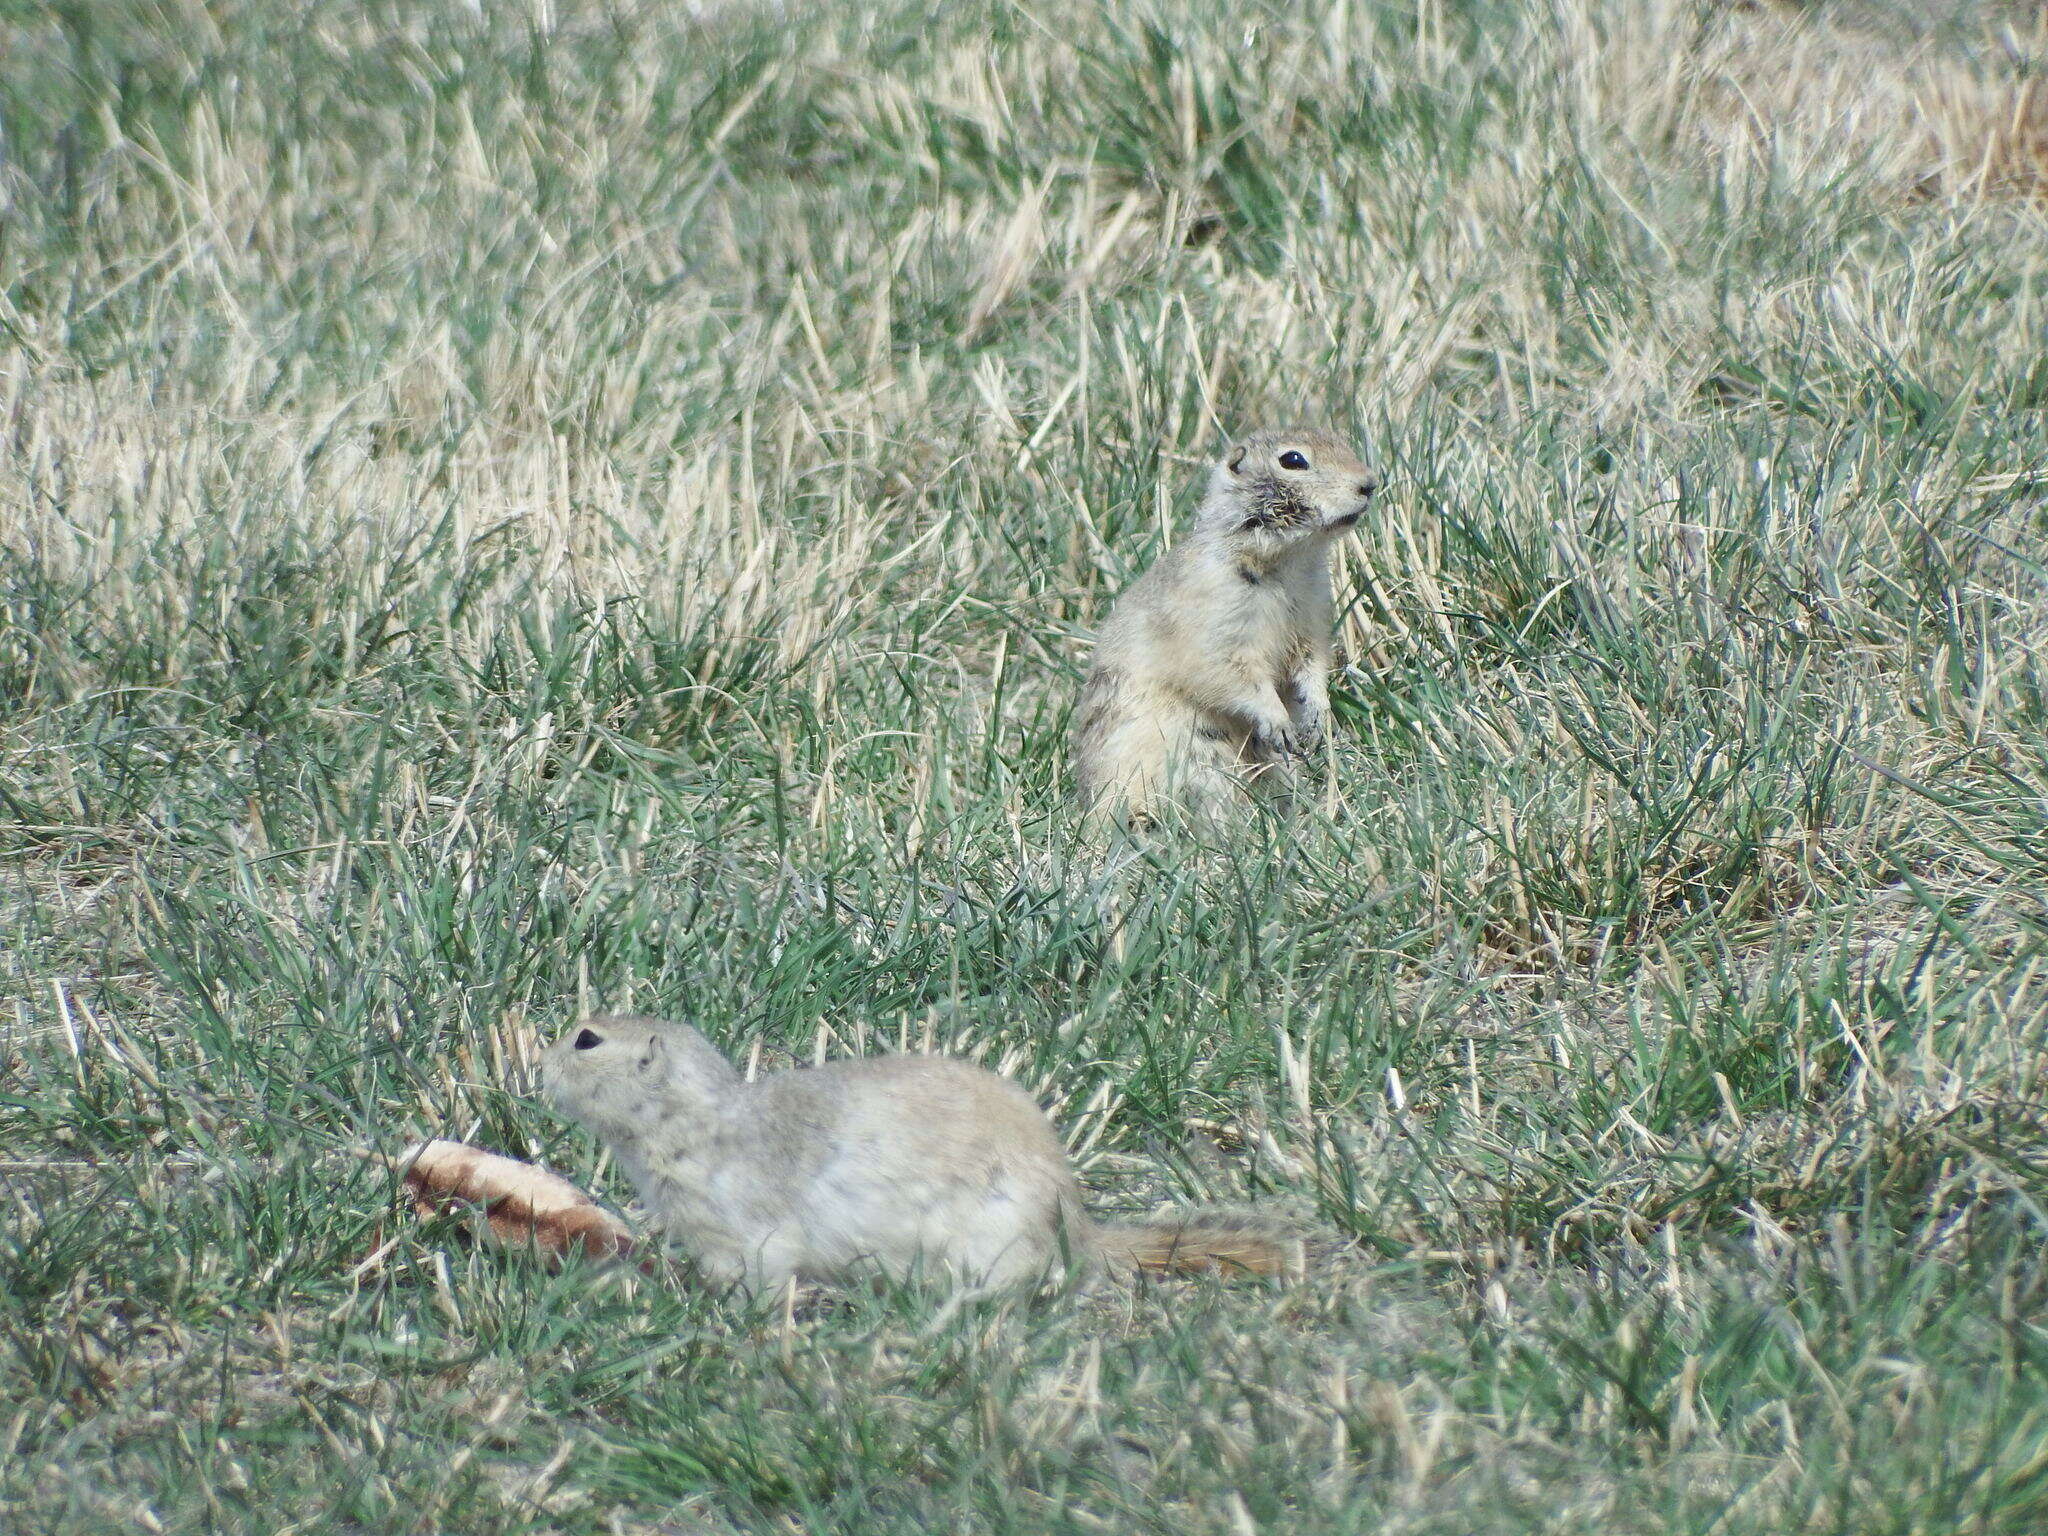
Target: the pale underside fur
pixel 1210 675
pixel 913 1166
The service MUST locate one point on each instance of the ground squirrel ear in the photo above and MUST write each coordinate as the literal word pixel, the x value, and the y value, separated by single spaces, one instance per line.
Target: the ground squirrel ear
pixel 653 1050
pixel 1236 458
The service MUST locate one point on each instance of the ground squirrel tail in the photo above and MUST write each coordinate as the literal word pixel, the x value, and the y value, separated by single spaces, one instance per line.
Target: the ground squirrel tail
pixel 1225 1242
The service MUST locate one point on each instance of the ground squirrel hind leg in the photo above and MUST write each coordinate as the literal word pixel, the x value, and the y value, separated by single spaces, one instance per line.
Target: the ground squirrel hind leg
pixel 1211 772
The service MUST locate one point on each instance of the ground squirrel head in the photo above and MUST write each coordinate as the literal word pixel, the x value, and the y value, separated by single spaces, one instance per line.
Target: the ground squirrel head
pixel 1277 487
pixel 617 1074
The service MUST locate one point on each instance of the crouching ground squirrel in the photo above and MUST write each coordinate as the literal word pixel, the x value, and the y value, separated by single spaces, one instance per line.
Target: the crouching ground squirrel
pixel 1213 668
pixel 907 1164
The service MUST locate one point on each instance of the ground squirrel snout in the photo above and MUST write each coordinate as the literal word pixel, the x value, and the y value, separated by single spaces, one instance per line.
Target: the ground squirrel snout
pixel 910 1165
pixel 1212 669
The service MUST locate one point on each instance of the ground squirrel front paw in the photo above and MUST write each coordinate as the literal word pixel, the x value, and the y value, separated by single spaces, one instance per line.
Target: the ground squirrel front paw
pixel 1309 721
pixel 1281 738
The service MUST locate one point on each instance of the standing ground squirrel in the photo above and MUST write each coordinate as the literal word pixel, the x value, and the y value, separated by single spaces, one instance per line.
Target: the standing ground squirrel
pixel 1214 666
pixel 892 1161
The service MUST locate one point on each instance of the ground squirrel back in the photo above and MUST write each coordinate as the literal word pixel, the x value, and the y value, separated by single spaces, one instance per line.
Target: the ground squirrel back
pixel 1213 668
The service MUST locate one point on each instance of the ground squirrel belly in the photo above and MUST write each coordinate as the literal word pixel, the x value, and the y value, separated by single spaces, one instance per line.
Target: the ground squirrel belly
pixel 1213 668
pixel 907 1164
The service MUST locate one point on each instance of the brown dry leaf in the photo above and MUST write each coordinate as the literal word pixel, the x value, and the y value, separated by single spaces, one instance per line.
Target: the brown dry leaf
pixel 523 1203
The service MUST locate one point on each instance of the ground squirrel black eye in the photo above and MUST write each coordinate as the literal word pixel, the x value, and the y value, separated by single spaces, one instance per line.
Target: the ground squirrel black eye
pixel 587 1039
pixel 1292 460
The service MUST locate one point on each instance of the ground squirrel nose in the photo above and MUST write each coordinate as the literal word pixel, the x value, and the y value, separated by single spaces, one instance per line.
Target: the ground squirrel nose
pixel 1368 485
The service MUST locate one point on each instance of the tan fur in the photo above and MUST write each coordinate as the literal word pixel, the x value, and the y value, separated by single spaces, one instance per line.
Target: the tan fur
pixel 906 1164
pixel 1226 1242
pixel 1213 669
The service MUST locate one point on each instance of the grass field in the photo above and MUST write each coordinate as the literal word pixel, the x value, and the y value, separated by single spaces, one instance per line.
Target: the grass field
pixel 513 509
